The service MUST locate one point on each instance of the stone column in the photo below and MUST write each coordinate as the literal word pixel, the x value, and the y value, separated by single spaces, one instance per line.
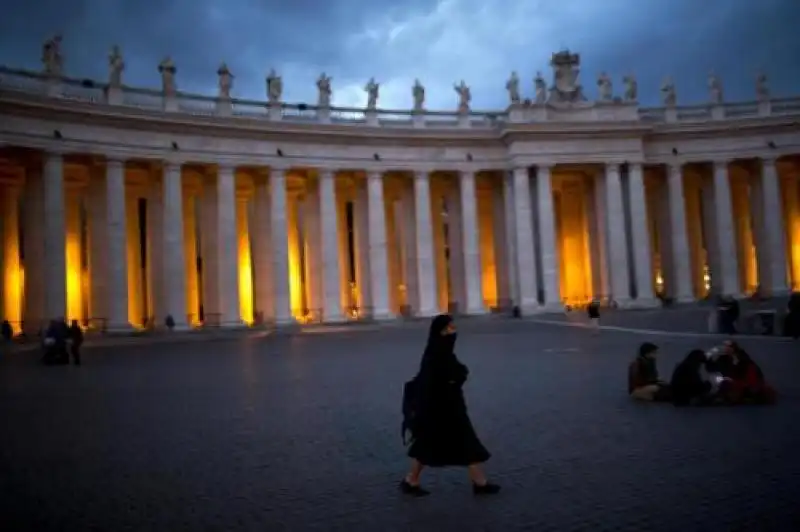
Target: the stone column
pixel 681 274
pixel 362 249
pixel 34 317
pixel 773 246
pixel 55 258
pixel 115 237
pixel 280 246
pixel 332 303
pixel 426 272
pixel 378 252
pixel 173 253
pixel 509 217
pixel 615 235
pixel 726 235
pixel 262 251
pixel 470 249
pixel 640 225
pixel 227 248
pixel 526 257
pixel 547 238
pixel 10 263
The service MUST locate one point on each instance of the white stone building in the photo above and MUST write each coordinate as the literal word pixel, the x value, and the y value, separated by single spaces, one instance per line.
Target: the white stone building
pixel 122 206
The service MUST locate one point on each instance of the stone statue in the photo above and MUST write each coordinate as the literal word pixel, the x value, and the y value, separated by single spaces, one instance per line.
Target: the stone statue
pixel 225 81
pixel 714 88
pixel 566 68
pixel 168 70
pixel 604 83
pixel 372 88
pixel 274 87
pixel 512 86
pixel 762 88
pixel 631 88
pixel 115 67
pixel 464 96
pixel 418 92
pixel 325 92
pixel 51 57
pixel 668 95
pixel 541 88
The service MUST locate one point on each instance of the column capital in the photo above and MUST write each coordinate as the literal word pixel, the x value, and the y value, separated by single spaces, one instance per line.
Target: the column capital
pixel 421 175
pixel 225 166
pixel 721 161
pixel 768 161
pixel 114 161
pixel 635 167
pixel 613 167
pixel 374 174
pixel 544 167
pixel 327 173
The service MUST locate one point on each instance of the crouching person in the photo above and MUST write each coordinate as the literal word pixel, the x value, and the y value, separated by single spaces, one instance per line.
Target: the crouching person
pixel 643 381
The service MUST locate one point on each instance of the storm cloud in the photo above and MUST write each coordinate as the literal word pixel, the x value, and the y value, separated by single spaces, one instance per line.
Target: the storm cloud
pixel 439 42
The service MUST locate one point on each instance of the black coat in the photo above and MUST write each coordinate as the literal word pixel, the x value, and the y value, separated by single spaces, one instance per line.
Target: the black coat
pixel 687 385
pixel 443 432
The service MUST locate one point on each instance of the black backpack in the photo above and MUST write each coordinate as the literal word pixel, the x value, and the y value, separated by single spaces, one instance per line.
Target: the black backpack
pixel 410 402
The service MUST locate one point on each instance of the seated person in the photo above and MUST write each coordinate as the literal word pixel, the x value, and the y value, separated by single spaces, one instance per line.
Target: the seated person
pixel 643 382
pixel 746 383
pixel 688 386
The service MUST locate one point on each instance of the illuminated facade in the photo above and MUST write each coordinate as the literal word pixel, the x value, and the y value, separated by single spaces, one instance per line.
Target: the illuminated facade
pixel 123 206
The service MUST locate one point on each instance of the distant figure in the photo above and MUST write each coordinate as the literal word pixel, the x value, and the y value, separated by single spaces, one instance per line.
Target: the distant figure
pixel 791 325
pixel 643 381
pixel 55 343
pixel 436 414
pixel 6 331
pixel 593 310
pixel 728 309
pixel 76 337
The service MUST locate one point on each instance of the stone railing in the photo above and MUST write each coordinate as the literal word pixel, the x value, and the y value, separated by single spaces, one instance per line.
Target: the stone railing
pixel 89 91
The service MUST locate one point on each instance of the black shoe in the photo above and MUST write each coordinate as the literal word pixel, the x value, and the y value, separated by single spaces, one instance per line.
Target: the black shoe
pixel 410 489
pixel 485 489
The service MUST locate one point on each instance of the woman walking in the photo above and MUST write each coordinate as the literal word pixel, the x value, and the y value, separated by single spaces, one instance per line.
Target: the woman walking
pixel 441 429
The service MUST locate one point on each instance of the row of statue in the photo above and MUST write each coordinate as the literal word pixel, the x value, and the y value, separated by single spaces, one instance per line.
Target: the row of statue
pixel 565 87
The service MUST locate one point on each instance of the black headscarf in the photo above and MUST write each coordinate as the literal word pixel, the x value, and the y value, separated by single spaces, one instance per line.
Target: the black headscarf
pixel 439 349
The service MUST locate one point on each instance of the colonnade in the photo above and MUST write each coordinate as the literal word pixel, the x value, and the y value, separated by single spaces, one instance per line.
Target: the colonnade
pixel 118 244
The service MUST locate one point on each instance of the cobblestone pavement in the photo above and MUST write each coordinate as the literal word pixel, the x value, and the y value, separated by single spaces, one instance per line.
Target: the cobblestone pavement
pixel 302 433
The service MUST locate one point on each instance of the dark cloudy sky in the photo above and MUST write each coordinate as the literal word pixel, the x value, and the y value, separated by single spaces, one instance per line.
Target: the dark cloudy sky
pixel 437 41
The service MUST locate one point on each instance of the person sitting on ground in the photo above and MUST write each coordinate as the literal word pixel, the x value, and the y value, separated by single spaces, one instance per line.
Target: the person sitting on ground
pixel 687 385
pixel 643 382
pixel 746 383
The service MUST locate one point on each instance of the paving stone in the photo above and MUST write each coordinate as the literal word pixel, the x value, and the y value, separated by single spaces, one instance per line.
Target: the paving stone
pixel 301 432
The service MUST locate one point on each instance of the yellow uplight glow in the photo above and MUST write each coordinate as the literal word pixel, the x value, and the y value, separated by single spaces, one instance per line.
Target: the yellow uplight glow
pixel 74 292
pixel 245 268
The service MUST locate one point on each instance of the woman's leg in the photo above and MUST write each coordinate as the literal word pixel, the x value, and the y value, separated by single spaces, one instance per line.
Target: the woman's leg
pixel 476 474
pixel 416 470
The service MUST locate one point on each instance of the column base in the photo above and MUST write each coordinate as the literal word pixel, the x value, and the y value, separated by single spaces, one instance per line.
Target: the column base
pixel 120 328
pixel 382 315
pixel 336 318
pixel 179 327
pixel 478 311
pixel 685 299
pixel 645 303
pixel 236 324
pixel 426 313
